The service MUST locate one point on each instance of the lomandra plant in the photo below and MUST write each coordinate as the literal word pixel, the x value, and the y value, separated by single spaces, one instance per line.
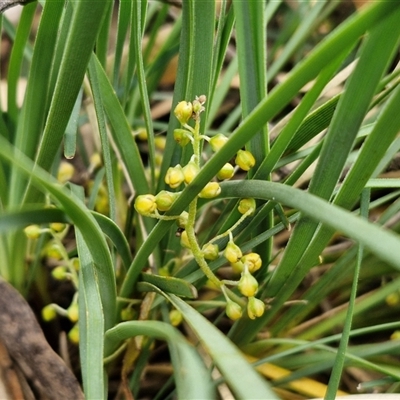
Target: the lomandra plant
pixel 206 229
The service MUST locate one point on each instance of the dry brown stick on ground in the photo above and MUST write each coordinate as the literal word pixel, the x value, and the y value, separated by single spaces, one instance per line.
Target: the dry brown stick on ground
pixel 26 344
pixel 5 4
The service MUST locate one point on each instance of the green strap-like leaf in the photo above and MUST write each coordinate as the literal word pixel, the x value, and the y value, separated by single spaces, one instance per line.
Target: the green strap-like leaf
pixel 191 377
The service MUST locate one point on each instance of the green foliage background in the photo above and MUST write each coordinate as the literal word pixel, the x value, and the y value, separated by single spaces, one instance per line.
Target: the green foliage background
pixel 86 62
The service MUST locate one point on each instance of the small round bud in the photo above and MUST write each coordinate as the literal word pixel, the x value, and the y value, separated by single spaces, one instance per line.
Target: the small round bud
pixel 57 226
pixel 226 172
pixel 248 285
pixel 395 335
pixel 211 190
pixel 160 142
pixel 183 219
pixel 181 136
pixel 127 314
pixel 255 308
pixel 247 204
pixel 75 263
pixel 32 231
pixel 145 204
pixel 95 161
pixel 65 171
pixel 232 252
pixel 73 334
pixel 253 261
pixel 393 299
pixel 185 240
pixel 210 251
pixel 48 313
pixel 190 170
pixel 217 141
pixel 233 310
pixel 174 176
pixel 59 273
pixel 183 111
pixel 164 200
pixel 141 134
pixel 73 312
pixel 54 250
pixel 245 160
pixel 175 317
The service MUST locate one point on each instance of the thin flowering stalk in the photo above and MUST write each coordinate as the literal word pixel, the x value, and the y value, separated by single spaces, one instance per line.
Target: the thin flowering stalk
pixel 195 248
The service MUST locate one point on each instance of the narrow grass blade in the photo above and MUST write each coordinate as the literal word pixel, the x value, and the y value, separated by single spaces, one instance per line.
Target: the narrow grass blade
pixel 169 284
pixel 244 381
pixel 16 59
pixel 81 217
pixel 121 132
pixel 20 219
pixel 381 242
pixel 79 46
pixel 105 146
pixel 340 138
pixel 191 377
pixel 91 325
pixel 335 378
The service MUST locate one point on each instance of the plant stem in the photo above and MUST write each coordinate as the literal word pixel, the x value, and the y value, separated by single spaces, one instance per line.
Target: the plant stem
pixel 192 216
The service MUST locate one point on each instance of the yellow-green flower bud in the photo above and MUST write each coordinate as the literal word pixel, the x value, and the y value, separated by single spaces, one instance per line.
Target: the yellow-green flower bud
pixel 174 176
pixel 183 219
pixel 48 313
pixel 145 204
pixel 183 111
pixel 245 160
pixel 165 199
pixel 255 308
pixel 217 141
pixel 57 226
pixel 175 317
pixel 73 334
pixel 253 261
pixel 226 172
pixel 232 252
pixel 75 263
pixel 393 299
pixel 127 314
pixel 185 240
pixel 160 142
pixel 395 335
pixel 73 312
pixel 211 190
pixel 141 134
pixel 233 310
pixel 210 251
pixel 190 170
pixel 247 204
pixel 53 250
pixel 59 273
pixel 248 285
pixel 65 171
pixel 95 161
pixel 32 231
pixel 181 136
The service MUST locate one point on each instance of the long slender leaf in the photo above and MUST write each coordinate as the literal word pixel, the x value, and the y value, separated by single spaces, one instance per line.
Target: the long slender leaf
pixel 191 377
pixel 81 217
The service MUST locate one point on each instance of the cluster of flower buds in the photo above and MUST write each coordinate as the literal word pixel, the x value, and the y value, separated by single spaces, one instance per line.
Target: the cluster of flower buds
pixel 246 265
pixel 178 175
